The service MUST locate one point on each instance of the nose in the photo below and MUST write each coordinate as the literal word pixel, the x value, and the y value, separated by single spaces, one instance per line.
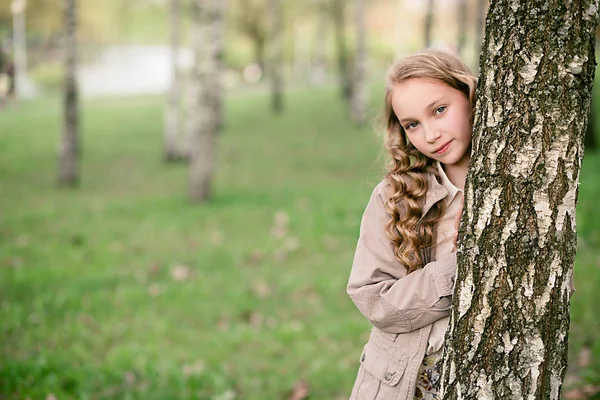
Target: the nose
pixel 432 133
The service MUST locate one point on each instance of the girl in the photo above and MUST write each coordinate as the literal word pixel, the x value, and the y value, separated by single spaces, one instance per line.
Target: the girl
pixel 404 267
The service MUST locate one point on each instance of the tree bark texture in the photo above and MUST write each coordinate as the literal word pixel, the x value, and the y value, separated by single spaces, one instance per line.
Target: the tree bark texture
pixel 68 157
pixel 428 26
pixel 510 315
pixel 358 101
pixel 276 55
pixel 208 21
pixel 173 140
pixel 339 21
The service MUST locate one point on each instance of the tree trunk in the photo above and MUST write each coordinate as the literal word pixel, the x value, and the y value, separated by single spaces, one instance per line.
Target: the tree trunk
pixel 462 24
pixel 208 21
pixel 318 64
pixel 428 26
pixel 359 84
pixel 590 142
pixel 172 122
pixel 510 314
pixel 276 40
pixel 339 21
pixel 68 158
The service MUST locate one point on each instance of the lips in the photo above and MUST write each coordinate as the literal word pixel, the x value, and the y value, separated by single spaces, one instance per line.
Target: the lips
pixel 443 148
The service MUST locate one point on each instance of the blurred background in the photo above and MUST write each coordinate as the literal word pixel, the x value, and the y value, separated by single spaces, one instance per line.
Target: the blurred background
pixel 132 269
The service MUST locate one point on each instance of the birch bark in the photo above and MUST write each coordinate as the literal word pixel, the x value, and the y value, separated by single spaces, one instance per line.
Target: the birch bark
pixel 510 316
pixel 68 152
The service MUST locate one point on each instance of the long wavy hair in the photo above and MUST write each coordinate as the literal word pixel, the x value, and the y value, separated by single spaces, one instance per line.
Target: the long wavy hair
pixel 410 231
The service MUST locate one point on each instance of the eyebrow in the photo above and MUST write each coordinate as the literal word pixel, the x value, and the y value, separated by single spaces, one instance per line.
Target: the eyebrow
pixel 402 121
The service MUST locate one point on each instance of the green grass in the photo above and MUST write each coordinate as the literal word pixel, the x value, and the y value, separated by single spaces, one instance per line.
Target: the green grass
pixel 90 309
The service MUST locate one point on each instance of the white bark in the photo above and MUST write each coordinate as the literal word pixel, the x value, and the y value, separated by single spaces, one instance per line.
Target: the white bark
pixel 358 101
pixel 68 157
pixel 510 318
pixel 173 140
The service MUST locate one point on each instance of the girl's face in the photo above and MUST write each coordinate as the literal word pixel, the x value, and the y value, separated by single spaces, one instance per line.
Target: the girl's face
pixel 436 118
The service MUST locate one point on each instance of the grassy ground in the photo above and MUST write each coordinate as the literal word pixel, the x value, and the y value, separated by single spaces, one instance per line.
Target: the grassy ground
pixel 124 289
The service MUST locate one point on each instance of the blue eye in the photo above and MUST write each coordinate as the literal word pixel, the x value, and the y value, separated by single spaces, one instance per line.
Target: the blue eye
pixel 440 109
pixel 411 125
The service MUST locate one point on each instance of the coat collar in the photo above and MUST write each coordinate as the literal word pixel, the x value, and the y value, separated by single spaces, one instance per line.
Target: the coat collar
pixel 435 192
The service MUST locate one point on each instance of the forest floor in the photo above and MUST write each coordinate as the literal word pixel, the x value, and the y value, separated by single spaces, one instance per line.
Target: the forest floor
pixel 122 288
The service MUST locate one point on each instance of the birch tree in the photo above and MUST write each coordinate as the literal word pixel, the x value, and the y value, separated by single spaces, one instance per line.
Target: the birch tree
pixel 358 100
pixel 428 25
pixel 338 12
pixel 172 120
pixel 207 37
pixel 68 157
pixel 276 55
pixel 510 315
pixel 462 23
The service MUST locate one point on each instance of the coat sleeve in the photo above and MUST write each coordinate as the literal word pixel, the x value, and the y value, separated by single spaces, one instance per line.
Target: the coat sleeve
pixel 380 287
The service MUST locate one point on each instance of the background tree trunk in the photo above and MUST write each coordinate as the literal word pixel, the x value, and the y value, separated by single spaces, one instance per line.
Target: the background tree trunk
pixel 590 142
pixel 479 27
pixel 462 23
pixel 172 128
pixel 428 26
pixel 68 158
pixel 338 12
pixel 318 65
pixel 359 82
pixel 276 40
pixel 208 23
pixel 510 316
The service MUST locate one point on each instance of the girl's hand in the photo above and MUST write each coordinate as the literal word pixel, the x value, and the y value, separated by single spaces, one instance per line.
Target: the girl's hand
pixel 457 221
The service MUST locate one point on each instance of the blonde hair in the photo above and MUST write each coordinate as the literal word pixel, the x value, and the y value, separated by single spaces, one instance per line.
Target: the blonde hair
pixel 408 231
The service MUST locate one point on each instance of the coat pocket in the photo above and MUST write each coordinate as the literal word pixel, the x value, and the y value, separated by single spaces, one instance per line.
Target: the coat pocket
pixel 379 375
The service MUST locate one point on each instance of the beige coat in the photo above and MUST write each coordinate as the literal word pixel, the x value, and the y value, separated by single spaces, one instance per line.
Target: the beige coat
pixel 401 307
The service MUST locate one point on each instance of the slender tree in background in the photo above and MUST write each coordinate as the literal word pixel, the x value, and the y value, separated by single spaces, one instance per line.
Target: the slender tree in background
pixel 479 27
pixel 24 86
pixel 590 141
pixel 276 54
pixel 510 315
pixel 69 152
pixel 462 23
pixel 172 121
pixel 338 12
pixel 251 20
pixel 428 26
pixel 318 62
pixel 358 101
pixel 207 26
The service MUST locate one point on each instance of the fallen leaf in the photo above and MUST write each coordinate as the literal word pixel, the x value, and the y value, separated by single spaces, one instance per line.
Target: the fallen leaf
pixel 261 289
pixel 291 244
pixel 180 272
pixel 154 290
pixel 280 224
pixel 130 378
pixel 197 368
pixel 256 257
pixel 300 391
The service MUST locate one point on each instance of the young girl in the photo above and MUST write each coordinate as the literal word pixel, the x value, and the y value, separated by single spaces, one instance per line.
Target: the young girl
pixel 404 267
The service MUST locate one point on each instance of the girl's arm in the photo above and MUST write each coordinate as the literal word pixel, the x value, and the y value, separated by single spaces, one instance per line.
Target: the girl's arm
pixel 380 287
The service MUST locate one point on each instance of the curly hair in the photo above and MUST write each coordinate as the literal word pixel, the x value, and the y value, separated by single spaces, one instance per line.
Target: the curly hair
pixel 408 230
